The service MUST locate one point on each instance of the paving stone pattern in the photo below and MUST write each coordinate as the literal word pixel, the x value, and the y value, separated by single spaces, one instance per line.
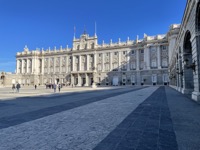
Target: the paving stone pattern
pixel 80 128
pixel 186 120
pixel 33 115
pixel 148 127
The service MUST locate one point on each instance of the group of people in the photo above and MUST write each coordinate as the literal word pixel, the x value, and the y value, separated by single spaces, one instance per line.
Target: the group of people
pixel 54 86
pixel 16 87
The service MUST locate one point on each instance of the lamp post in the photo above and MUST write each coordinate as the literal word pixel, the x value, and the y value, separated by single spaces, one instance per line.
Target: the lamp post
pixel 190 66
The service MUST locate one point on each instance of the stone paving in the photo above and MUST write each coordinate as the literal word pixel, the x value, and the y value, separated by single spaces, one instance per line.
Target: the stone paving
pixel 132 118
pixel 7 93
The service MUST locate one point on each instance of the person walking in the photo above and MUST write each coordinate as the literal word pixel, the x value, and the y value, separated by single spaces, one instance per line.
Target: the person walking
pixel 18 87
pixel 59 87
pixel 13 88
pixel 35 87
pixel 54 87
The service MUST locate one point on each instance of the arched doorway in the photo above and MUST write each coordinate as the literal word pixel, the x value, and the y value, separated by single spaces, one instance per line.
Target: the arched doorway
pixel 188 83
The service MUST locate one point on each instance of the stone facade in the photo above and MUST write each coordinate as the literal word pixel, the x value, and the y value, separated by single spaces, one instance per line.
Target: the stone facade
pixel 184 65
pixel 88 63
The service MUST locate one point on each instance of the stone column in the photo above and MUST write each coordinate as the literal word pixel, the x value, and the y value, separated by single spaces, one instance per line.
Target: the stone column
pixel 80 61
pixel 36 65
pixel 103 67
pixel 66 64
pixel 88 61
pixel 94 81
pixel 54 65
pixel 60 65
pixel 147 57
pixel 22 65
pixel 27 62
pixel 137 59
pixel 79 80
pixel 110 61
pixel 48 66
pixel 95 62
pixel 72 80
pixel 73 62
pixel 86 80
pixel 159 57
pixel 42 65
pixel 128 60
pixel 33 65
pixel 17 66
pixel 120 59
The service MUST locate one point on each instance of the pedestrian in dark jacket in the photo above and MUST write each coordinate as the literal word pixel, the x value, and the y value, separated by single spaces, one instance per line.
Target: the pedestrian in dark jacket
pixel 18 87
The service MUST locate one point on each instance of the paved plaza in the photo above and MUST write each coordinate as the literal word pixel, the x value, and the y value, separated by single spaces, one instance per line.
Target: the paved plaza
pixel 112 118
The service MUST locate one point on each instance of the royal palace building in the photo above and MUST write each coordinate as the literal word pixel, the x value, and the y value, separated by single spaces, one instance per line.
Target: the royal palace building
pixel 88 63
pixel 173 58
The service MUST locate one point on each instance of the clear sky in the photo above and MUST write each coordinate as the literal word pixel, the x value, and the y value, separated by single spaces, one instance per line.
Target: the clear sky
pixel 49 23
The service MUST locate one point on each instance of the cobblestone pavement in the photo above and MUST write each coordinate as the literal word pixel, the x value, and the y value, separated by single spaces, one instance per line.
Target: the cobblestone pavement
pixel 154 118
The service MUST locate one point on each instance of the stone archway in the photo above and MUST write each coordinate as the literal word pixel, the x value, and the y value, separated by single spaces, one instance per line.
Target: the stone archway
pixel 188 79
pixel 196 39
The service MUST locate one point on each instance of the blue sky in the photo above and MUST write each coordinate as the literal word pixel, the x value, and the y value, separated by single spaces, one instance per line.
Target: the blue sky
pixel 49 23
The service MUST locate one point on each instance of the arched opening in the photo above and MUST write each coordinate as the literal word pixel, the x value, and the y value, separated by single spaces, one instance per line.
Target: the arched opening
pixel 197 24
pixel 187 59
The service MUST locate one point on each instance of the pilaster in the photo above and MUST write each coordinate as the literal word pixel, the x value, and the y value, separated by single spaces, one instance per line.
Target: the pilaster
pixel 120 59
pixel 128 60
pixel 80 69
pixel 95 61
pixel 73 63
pixel 147 56
pixel 103 60
pixel 111 61
pixel 88 62
pixel 42 65
pixel 86 80
pixel 66 64
pixel 22 66
pixel 27 62
pixel 79 80
pixel 159 57
pixel 54 65
pixel 17 66
pixel 137 60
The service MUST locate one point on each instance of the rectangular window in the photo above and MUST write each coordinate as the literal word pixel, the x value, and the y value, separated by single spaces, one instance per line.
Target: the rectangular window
pixel 142 51
pixel 116 53
pixel 164 47
pixel 132 52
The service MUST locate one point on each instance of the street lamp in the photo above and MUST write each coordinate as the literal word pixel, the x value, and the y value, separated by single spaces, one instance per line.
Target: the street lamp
pixel 190 66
